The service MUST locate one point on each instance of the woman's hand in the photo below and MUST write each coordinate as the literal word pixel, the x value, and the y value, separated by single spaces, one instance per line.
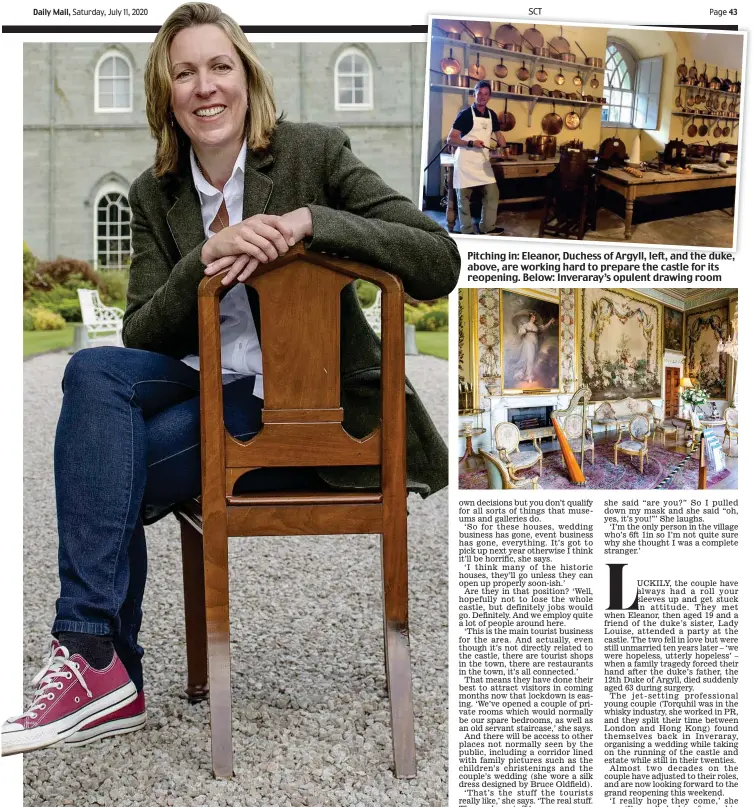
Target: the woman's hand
pixel 259 239
pixel 273 230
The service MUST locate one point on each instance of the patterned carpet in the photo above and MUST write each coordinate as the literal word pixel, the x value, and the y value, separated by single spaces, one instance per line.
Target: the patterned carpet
pixel 660 464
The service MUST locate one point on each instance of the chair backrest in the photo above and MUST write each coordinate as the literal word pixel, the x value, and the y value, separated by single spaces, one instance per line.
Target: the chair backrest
pixel 507 437
pixel 497 475
pixel 730 416
pixel 639 427
pixel 299 302
pixel 572 171
pixel 88 299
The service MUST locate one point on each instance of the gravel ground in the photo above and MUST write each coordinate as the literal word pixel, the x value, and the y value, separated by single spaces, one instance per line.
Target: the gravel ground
pixel 311 721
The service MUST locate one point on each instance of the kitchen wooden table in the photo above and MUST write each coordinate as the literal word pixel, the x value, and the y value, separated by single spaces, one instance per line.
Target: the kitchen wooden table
pixel 655 184
pixel 519 167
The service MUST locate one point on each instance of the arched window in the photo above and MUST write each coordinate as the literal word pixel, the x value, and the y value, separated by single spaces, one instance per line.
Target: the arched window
pixel 113 83
pixel 112 228
pixel 353 81
pixel 619 83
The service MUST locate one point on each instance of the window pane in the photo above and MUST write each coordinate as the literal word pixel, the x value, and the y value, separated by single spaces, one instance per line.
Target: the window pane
pixel 344 96
pixel 358 97
pixel 626 114
pixel 121 68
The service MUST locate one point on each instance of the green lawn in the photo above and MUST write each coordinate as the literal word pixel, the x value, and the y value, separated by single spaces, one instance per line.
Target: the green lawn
pixel 434 343
pixel 44 341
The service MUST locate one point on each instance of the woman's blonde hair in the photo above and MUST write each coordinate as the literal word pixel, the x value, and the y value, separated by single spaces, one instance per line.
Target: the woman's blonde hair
pixel 172 141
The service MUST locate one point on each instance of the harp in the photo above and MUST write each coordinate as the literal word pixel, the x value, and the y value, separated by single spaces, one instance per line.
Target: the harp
pixel 571 423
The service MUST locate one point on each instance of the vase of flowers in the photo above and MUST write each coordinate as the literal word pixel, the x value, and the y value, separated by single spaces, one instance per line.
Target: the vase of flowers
pixel 694 397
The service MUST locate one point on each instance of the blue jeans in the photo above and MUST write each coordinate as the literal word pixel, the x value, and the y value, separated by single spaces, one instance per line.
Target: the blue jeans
pixel 128 435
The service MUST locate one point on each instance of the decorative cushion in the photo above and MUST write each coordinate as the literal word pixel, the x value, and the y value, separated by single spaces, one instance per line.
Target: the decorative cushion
pixel 575 444
pixel 524 459
pixel 631 445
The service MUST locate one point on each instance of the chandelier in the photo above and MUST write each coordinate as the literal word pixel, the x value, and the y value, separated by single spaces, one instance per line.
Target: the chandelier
pixel 729 345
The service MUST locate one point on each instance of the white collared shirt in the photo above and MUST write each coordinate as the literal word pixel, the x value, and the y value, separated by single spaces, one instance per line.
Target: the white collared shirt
pixel 241 351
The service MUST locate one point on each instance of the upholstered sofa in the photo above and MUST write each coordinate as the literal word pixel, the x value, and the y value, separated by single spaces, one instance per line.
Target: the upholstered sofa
pixel 617 414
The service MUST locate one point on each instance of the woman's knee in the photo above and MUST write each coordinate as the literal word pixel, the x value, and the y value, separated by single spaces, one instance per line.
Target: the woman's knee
pixel 86 366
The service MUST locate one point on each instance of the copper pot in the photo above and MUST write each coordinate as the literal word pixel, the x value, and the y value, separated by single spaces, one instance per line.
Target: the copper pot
pixel 512 47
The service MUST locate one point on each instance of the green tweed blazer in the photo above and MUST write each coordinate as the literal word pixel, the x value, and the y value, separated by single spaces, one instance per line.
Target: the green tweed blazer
pixel 354 214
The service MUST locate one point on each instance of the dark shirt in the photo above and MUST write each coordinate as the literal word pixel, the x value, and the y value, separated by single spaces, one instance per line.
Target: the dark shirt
pixel 464 121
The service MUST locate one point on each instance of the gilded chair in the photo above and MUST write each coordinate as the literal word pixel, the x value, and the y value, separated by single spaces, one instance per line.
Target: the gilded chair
pixel 636 445
pixel 507 440
pixel 502 477
pixel 696 430
pixel 665 430
pixel 302 425
pixel 730 426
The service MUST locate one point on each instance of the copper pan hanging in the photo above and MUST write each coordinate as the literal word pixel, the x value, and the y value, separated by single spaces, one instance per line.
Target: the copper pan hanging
pixel 726 130
pixel 692 129
pixel 542 75
pixel 450 66
pixel 578 81
pixel 715 83
pixel 476 32
pixel 500 71
pixel 559 78
pixel 508 34
pixel 552 123
pixel 523 73
pixel 537 90
pixel 560 43
pixel 726 83
pixel 678 100
pixel 704 77
pixel 534 37
pixel 453 29
pixel 572 120
pixel 594 81
pixel 717 130
pixel 703 130
pixel 693 71
pixel 507 120
pixel 477 71
pixel 682 70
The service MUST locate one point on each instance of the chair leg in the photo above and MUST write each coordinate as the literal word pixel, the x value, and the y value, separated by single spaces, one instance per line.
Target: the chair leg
pixel 217 598
pixel 193 605
pixel 397 643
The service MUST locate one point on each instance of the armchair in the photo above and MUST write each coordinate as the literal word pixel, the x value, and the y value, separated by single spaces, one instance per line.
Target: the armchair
pixel 501 476
pixel 507 439
pixel 636 446
pixel 730 426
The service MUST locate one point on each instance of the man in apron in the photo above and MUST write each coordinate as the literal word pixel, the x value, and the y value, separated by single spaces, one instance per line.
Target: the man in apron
pixel 472 134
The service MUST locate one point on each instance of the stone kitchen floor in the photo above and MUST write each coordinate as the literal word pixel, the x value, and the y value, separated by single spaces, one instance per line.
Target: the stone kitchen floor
pixel 712 228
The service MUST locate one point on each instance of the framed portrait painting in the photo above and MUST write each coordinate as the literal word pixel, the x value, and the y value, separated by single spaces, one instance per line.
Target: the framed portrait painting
pixel 530 328
pixel 672 329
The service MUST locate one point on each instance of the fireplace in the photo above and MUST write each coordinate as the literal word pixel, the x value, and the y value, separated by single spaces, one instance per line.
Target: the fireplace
pixel 530 417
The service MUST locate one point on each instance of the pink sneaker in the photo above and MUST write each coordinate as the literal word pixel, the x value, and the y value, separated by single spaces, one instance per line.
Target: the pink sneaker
pixel 131 717
pixel 70 694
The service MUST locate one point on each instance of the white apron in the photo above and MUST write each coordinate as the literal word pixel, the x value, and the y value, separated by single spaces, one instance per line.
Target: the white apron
pixel 472 166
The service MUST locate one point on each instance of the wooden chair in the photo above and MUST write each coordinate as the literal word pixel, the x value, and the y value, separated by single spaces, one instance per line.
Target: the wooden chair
pixel 569 207
pixel 503 477
pixel 636 446
pixel 299 296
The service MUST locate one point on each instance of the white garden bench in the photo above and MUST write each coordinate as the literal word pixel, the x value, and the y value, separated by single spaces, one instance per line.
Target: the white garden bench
pixel 100 320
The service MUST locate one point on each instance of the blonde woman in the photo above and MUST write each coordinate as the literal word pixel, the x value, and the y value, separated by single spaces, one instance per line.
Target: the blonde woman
pixel 232 186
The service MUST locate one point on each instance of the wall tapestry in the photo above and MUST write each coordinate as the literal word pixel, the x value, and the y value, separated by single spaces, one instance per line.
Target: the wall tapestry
pixel 706 367
pixel 620 345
